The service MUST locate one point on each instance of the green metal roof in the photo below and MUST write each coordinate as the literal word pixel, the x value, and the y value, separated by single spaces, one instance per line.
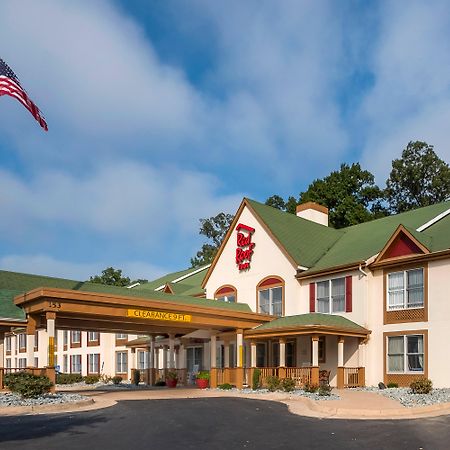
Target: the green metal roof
pixel 195 279
pixel 13 284
pixel 360 242
pixel 304 240
pixel 311 319
pixel 319 247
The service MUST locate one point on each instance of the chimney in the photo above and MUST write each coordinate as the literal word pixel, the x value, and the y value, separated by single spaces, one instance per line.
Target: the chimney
pixel 314 212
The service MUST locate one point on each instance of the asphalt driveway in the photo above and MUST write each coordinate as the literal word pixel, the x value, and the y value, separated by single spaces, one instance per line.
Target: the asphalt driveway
pixel 214 423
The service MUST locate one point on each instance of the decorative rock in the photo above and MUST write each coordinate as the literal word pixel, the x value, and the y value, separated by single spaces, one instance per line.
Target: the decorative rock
pixel 10 399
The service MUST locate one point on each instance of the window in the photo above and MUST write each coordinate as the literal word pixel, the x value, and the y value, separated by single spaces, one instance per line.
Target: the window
pixel 121 362
pixel 226 294
pixel 260 354
pixel 8 343
pixel 93 336
pixel 331 296
pixel 405 289
pixel 8 363
pixel 75 337
pixel 121 337
pixel 22 342
pixel 22 363
pixel 65 365
pixel 36 341
pixel 36 362
pixel 75 364
pixel 142 360
pixel 405 354
pixel 65 338
pixel 94 363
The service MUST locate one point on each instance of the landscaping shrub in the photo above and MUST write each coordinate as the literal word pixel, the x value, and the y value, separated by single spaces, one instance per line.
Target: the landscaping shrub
pixel 105 378
pixel 117 379
pixel 91 379
pixel 273 383
pixel 28 385
pixel 325 390
pixel 68 378
pixel 392 385
pixel 160 383
pixel 136 377
pixel 421 386
pixel 255 379
pixel 225 386
pixel 287 384
pixel 311 387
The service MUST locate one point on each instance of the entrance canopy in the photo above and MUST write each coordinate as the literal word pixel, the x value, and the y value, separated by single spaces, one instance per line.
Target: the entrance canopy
pixel 113 311
pixel 304 324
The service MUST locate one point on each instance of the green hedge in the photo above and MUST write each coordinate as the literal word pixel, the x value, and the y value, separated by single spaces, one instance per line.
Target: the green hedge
pixel 28 385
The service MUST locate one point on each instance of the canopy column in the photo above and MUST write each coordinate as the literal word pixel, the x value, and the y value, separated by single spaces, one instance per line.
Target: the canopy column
pixel 51 319
pixel 315 360
pixel 340 368
pixel 171 351
pixel 239 358
pixel 213 363
pixel 31 333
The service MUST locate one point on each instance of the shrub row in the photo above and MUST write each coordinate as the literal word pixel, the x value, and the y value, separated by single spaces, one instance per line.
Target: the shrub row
pixel 27 385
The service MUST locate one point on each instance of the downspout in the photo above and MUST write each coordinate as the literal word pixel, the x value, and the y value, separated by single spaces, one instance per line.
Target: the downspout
pixel 361 270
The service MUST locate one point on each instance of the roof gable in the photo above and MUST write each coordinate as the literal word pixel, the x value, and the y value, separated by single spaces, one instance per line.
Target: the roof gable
pixel 402 243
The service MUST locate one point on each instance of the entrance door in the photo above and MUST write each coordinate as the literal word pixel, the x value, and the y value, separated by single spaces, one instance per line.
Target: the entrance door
pixel 194 360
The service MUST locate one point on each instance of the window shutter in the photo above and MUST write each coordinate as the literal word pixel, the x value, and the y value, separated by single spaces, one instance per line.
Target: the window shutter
pixel 348 294
pixel 312 297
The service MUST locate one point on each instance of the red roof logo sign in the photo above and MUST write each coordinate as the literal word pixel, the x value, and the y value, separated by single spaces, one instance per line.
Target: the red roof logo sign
pixel 245 246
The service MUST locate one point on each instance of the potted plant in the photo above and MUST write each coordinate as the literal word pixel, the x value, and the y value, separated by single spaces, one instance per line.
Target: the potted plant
pixel 202 380
pixel 171 379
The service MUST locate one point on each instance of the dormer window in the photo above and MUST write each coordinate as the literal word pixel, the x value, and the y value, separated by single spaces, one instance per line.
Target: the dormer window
pixel 226 293
pixel 405 289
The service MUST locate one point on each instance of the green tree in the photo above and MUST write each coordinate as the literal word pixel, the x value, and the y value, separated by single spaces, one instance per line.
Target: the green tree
pixel 289 205
pixel 215 229
pixel 419 178
pixel 350 194
pixel 111 277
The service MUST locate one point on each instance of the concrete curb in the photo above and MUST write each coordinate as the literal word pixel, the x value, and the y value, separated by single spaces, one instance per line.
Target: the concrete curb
pixel 46 409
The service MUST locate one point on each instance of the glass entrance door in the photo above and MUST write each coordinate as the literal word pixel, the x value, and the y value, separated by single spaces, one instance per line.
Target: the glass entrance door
pixel 194 360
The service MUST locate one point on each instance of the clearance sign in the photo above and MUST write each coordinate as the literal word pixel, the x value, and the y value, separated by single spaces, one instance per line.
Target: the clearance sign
pixel 159 315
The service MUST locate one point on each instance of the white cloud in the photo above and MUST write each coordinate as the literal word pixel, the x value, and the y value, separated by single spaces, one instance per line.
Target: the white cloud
pixel 41 264
pixel 410 99
pixel 136 202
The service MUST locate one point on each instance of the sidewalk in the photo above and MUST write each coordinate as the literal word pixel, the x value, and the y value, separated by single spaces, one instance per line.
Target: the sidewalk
pixel 352 405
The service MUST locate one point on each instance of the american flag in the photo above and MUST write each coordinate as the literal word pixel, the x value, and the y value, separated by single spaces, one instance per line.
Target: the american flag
pixel 10 85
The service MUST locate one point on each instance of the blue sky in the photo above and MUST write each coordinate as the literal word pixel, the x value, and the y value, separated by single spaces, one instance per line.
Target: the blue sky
pixel 163 112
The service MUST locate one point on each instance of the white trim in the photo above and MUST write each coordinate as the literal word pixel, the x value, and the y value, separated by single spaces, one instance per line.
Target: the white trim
pixel 183 277
pixel 433 221
pixel 133 285
pixel 302 268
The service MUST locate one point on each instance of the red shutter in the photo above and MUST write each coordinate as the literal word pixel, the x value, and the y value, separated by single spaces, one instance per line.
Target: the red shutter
pixel 348 294
pixel 312 297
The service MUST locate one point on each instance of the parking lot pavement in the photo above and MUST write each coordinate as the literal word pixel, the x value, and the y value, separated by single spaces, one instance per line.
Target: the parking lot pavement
pixel 214 423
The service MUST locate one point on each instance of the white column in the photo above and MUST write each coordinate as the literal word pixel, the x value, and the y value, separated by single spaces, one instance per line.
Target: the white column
pixel 51 339
pixel 253 354
pixel 2 350
pixel 133 362
pixel 164 350
pixel 30 350
pixel 315 351
pixel 282 345
pixel 182 356
pixel 171 351
pixel 341 352
pixel 213 351
pixel 361 354
pixel 239 349
pixel 151 354
pixel 226 354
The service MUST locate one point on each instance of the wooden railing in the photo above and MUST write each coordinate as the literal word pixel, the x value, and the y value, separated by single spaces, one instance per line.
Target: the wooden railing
pixel 354 377
pixel 301 375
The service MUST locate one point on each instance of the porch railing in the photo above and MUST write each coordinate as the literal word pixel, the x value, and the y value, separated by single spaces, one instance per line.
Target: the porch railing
pixel 353 377
pixel 301 375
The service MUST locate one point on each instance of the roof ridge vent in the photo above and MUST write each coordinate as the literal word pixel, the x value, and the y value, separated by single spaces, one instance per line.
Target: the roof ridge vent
pixel 433 220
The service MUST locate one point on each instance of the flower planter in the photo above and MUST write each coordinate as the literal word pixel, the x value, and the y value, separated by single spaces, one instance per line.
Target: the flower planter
pixel 171 383
pixel 202 383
